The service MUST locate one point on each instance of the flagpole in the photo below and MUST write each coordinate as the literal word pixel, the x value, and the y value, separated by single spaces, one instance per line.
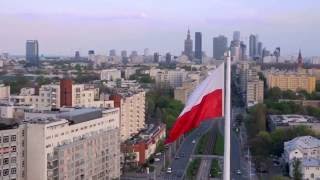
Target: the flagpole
pixel 227 145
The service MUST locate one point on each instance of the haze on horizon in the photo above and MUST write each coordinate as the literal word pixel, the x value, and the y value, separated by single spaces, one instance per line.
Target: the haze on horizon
pixel 63 27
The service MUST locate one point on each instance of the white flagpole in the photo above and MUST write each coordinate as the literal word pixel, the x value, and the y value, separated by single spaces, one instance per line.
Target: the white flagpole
pixel 227 116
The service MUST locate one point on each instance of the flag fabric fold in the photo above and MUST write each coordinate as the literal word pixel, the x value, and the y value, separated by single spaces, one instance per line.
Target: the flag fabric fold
pixel 205 103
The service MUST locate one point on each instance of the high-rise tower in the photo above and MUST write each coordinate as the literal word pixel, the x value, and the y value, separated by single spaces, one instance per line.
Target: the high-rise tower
pixel 32 52
pixel 252 46
pixel 188 46
pixel 300 59
pixel 220 45
pixel 198 46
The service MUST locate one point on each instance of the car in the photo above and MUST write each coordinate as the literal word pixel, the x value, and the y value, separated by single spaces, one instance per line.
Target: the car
pixel 194 141
pixel 183 155
pixel 158 154
pixel 238 172
pixel 156 159
pixel 177 157
pixel 169 170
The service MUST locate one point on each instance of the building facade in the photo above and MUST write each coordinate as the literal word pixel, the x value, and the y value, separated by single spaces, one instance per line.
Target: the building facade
pixel 76 144
pixel 110 74
pixel 132 112
pixel 255 92
pixel 220 46
pixel 306 149
pixel 198 46
pixel 4 92
pixel 293 81
pixel 32 52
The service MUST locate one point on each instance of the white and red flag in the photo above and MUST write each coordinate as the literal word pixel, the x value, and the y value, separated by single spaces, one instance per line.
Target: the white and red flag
pixel 205 103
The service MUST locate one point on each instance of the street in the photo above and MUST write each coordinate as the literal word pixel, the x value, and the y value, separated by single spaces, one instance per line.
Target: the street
pixel 179 166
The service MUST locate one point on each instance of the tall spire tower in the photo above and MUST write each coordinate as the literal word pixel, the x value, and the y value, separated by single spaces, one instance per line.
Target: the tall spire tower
pixel 300 60
pixel 188 46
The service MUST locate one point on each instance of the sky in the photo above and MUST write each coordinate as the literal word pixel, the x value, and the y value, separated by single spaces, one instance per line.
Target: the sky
pixel 64 26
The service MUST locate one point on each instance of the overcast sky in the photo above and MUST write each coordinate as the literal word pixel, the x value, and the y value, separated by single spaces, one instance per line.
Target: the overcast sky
pixel 64 26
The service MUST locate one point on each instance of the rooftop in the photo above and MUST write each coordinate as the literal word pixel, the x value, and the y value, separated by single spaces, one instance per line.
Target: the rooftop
pixel 282 120
pixel 302 142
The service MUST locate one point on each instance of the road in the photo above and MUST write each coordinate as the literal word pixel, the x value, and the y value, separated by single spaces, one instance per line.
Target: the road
pixel 180 165
pixel 204 169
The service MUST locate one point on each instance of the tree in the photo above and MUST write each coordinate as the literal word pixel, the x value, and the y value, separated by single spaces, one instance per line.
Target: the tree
pixel 42 80
pixel 296 172
pixel 274 93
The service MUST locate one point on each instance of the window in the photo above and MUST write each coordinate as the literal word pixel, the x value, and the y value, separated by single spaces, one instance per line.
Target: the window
pixel 13 159
pixel 5 161
pixel 13 138
pixel 14 149
pixel 13 170
pixel 5 172
pixel 6 139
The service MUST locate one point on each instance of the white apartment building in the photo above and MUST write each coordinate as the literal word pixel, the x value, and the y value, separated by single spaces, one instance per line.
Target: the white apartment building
pixel 12 149
pixel 172 78
pixel 307 150
pixel 110 74
pixel 132 110
pixel 74 144
pixel 4 92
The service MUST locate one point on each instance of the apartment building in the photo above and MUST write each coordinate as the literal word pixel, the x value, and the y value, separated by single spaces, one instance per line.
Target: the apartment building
pixel 12 152
pixel 255 92
pixel 48 97
pixel 110 74
pixel 171 78
pixel 294 81
pixel 182 93
pixel 307 150
pixel 64 94
pixel 72 144
pixel 4 92
pixel 132 111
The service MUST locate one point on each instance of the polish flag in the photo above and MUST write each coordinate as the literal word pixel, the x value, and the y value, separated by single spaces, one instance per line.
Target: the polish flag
pixel 205 103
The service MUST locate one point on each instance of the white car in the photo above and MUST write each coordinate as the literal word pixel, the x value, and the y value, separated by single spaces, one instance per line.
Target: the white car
pixel 169 170
pixel 156 159
pixel 194 141
pixel 158 154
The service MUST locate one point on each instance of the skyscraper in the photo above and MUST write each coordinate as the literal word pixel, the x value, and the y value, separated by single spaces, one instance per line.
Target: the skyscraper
pixel 188 46
pixel 220 45
pixel 252 46
pixel 146 52
pixel 236 35
pixel 198 46
pixel 168 58
pixel 259 49
pixel 77 55
pixel 243 51
pixel 32 52
pixel 156 57
pixel 124 54
pixel 112 52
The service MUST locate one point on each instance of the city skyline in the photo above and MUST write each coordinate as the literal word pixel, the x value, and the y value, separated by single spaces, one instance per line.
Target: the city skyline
pixel 65 27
